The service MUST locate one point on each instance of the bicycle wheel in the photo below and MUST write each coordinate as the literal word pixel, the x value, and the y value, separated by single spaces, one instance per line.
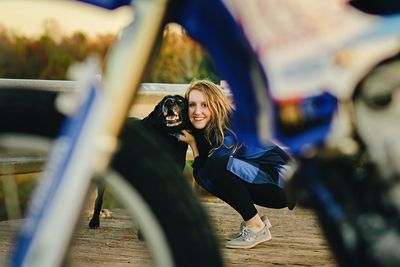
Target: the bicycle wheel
pixel 354 195
pixel 160 199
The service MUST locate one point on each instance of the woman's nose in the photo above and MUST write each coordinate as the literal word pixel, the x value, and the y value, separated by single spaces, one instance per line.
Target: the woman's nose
pixel 196 110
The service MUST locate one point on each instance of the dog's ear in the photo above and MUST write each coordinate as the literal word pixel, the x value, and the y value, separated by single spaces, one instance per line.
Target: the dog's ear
pixel 157 111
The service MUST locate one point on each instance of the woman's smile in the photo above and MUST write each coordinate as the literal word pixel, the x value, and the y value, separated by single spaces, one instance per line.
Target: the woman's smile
pixel 198 118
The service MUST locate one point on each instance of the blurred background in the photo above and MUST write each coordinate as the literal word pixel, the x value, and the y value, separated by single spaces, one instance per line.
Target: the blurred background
pixel 55 34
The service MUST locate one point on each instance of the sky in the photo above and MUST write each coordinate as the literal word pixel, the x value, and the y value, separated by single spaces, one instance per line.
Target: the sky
pixel 27 16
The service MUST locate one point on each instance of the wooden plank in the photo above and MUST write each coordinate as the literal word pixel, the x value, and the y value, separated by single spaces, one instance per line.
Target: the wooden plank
pixel 297 240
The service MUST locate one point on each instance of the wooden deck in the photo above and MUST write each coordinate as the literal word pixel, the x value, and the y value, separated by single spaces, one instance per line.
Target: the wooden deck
pixel 297 240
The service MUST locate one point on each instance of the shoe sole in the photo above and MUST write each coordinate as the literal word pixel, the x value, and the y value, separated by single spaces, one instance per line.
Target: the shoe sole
pixel 229 238
pixel 234 236
pixel 250 245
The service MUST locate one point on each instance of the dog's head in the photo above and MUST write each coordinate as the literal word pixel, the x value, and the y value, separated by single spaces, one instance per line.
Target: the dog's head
pixel 171 114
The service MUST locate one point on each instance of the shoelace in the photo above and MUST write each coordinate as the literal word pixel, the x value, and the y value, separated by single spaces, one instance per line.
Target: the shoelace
pixel 245 233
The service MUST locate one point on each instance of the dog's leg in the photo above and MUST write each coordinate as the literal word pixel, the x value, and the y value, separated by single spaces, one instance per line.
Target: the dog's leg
pixel 95 221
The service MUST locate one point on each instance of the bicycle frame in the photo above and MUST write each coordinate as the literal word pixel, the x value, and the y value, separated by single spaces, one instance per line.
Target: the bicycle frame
pixel 102 113
pixel 235 60
pixel 77 157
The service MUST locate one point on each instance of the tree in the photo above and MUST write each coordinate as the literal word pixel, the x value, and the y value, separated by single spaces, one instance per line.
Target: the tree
pixel 180 59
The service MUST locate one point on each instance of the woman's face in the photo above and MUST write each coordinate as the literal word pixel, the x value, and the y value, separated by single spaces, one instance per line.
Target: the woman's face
pixel 199 113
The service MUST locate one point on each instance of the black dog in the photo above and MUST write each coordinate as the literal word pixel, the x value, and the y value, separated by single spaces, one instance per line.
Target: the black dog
pixel 164 123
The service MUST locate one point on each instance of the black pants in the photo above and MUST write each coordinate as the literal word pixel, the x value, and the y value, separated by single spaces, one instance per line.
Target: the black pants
pixel 240 194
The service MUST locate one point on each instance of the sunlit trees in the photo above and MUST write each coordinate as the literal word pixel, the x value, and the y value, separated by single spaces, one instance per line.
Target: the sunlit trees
pixel 180 59
pixel 48 56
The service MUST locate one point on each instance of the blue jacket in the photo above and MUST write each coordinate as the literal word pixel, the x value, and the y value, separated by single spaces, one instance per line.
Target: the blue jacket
pixel 252 164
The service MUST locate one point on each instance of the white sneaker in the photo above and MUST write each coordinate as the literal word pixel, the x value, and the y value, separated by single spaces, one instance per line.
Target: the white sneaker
pixel 249 239
pixel 264 218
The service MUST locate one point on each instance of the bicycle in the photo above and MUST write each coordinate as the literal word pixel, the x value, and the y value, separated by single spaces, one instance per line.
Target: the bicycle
pixel 332 88
pixel 170 217
pixel 304 130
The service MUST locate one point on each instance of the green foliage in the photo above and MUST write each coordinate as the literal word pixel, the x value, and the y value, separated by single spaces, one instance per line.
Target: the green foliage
pixel 45 57
pixel 49 56
pixel 25 186
pixel 180 60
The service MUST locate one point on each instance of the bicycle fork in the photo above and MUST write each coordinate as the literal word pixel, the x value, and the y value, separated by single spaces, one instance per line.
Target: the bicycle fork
pixel 63 187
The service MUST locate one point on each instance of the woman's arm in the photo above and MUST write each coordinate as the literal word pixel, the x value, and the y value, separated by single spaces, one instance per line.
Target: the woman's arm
pixel 189 139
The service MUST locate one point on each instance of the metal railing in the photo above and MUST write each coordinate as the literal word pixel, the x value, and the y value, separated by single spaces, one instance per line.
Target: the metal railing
pixel 65 86
pixel 32 163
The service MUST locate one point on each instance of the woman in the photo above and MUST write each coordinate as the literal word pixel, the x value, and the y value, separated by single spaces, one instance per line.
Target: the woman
pixel 240 175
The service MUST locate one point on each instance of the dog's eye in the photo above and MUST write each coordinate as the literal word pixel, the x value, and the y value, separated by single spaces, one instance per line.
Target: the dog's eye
pixel 379 101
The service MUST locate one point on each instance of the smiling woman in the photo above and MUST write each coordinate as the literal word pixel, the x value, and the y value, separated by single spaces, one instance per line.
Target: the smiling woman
pixel 29 17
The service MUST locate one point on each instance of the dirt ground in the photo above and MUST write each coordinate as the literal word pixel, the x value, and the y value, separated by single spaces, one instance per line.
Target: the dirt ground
pixel 296 240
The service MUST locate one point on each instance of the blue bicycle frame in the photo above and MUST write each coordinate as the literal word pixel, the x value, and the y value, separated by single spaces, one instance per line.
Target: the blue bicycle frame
pixel 63 170
pixel 255 119
pixel 87 141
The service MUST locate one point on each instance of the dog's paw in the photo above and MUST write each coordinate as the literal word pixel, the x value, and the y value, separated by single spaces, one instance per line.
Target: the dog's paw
pixel 94 223
pixel 106 214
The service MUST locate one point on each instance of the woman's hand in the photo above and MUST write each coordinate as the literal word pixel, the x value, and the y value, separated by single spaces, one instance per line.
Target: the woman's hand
pixel 188 138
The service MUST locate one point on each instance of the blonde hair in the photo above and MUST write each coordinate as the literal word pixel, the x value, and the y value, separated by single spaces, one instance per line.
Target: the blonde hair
pixel 220 109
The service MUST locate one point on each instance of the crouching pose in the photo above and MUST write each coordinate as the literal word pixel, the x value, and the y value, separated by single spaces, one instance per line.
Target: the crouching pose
pixel 238 174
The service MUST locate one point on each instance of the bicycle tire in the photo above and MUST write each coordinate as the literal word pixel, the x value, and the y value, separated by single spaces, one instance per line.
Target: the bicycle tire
pixel 165 190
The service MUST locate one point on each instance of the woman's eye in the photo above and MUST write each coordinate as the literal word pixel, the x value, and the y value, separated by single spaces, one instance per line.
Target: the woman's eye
pixel 203 105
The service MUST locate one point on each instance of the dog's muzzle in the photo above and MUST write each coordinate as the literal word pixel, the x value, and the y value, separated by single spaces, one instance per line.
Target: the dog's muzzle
pixel 172 112
pixel 173 120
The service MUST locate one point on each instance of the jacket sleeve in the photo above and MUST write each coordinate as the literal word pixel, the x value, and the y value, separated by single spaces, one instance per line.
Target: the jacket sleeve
pixel 198 162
